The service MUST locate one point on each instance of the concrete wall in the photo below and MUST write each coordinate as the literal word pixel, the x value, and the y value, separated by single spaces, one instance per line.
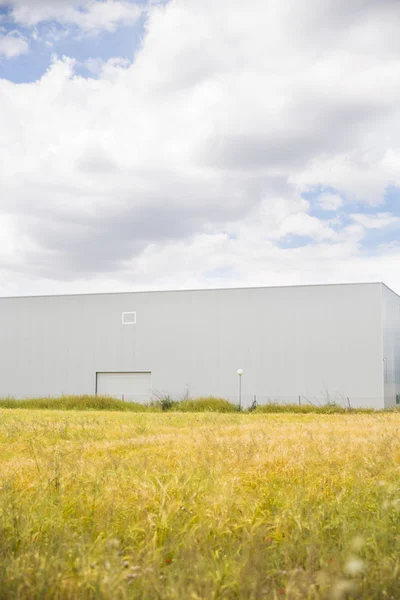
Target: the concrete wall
pixel 313 341
pixel 391 345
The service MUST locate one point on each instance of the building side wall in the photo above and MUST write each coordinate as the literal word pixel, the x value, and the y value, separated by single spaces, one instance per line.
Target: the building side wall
pixel 318 342
pixel 391 345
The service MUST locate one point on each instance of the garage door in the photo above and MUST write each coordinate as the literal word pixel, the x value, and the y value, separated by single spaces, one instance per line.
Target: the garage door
pixel 134 387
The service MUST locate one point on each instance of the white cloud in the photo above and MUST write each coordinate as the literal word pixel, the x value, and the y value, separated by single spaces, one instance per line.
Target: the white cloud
pixel 330 201
pixel 192 160
pixel 12 44
pixel 304 225
pixel 89 15
pixel 377 221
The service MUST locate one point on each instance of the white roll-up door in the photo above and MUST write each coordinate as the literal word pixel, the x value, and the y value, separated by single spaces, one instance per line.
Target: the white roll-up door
pixel 134 387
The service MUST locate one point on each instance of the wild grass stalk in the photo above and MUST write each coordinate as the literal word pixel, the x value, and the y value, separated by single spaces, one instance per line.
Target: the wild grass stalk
pixel 178 505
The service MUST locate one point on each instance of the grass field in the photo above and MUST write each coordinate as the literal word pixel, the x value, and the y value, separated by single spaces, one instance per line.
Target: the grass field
pixel 197 506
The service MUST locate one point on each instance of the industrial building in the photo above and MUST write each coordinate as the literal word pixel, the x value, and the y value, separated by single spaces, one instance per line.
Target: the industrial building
pixel 337 343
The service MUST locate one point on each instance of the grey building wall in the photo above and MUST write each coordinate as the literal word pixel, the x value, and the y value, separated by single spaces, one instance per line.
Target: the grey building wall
pixel 318 342
pixel 391 345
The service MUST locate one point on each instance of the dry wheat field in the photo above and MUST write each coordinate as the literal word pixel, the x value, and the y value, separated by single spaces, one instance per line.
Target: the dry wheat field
pixel 199 506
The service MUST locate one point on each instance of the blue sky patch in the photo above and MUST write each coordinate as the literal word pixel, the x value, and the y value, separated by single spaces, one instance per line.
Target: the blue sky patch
pixel 53 38
pixel 377 238
pixel 390 204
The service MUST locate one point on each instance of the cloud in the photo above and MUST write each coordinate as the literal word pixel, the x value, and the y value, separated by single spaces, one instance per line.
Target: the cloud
pixel 377 221
pixel 193 159
pixel 329 201
pixel 91 16
pixel 12 44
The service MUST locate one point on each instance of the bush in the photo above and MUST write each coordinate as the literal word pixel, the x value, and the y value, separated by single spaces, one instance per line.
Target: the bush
pixel 163 403
pixel 74 403
pixel 209 404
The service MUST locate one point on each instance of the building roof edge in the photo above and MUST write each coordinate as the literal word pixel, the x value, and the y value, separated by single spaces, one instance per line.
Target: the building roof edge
pixel 188 290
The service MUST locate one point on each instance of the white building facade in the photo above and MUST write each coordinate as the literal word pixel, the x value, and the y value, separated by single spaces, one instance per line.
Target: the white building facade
pixel 306 344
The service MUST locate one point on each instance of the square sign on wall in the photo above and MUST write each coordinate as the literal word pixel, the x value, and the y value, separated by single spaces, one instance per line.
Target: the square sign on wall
pixel 128 318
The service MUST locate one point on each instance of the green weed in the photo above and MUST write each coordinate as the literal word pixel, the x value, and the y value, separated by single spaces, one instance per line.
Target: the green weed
pixel 169 404
pixel 74 403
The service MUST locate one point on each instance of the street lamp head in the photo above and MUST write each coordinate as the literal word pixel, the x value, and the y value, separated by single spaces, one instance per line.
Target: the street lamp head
pixel 240 372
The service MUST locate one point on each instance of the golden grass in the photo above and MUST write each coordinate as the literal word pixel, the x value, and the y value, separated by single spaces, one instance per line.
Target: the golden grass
pixel 197 506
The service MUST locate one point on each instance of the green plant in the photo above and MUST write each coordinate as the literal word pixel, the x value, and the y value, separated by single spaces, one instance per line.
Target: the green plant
pixel 74 403
pixel 166 403
pixel 207 404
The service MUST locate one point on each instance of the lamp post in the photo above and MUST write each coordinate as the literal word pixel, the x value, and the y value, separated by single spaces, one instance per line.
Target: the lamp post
pixel 240 373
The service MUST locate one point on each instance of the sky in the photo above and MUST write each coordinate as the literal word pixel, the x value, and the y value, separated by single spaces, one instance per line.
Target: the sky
pixel 184 144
